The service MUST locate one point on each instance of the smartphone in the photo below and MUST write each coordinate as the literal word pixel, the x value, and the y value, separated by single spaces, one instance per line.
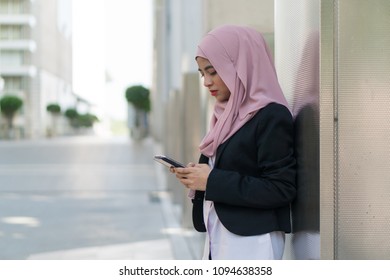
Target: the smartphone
pixel 169 162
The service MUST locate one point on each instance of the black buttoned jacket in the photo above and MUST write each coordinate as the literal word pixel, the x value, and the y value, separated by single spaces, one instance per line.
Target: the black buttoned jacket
pixel 253 180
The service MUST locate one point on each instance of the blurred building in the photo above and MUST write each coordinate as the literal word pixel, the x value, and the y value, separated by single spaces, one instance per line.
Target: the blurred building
pixel 36 59
pixel 333 60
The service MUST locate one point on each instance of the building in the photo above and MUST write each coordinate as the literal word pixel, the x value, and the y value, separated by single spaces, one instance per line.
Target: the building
pixel 36 59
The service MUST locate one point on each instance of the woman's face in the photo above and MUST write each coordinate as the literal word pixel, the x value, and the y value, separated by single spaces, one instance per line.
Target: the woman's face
pixel 212 80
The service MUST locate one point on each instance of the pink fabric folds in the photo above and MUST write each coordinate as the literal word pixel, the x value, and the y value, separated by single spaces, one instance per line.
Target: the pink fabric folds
pixel 244 62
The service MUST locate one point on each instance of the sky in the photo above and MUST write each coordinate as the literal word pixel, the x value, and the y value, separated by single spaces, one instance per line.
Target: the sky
pixel 112 51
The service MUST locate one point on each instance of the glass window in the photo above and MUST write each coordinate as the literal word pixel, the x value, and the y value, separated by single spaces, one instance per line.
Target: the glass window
pixel 11 58
pixel 13 83
pixel 12 6
pixel 10 32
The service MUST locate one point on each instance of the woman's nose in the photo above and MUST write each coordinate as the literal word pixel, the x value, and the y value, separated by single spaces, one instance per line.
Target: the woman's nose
pixel 207 81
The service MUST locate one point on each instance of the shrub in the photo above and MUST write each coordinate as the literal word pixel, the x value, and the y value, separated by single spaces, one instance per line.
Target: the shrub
pixel 139 97
pixel 9 104
pixel 86 120
pixel 71 113
pixel 53 108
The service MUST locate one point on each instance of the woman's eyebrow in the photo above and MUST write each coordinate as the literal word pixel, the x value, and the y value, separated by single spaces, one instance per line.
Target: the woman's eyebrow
pixel 206 68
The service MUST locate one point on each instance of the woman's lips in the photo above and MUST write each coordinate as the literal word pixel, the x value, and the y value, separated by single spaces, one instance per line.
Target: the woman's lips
pixel 213 92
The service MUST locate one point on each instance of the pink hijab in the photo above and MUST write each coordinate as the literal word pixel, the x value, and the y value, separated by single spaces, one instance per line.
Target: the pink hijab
pixel 242 59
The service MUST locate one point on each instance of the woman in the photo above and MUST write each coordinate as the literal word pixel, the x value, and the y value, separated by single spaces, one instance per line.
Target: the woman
pixel 245 180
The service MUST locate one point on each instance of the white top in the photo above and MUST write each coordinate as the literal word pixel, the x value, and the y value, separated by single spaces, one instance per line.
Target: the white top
pixel 225 245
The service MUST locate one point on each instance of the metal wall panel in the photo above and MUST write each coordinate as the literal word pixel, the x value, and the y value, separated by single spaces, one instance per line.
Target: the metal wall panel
pixel 328 115
pixel 363 130
pixel 353 106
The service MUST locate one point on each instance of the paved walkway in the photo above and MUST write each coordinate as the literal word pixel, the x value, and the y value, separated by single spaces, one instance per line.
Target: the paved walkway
pixel 157 234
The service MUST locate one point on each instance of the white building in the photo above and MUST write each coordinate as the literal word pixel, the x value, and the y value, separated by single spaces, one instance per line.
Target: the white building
pixel 36 58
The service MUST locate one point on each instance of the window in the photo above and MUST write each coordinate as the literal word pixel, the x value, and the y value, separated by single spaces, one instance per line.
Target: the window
pixel 10 32
pixel 11 58
pixel 12 6
pixel 13 84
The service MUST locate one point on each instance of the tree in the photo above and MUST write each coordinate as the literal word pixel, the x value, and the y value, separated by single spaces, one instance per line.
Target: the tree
pixel 138 97
pixel 55 110
pixel 86 120
pixel 78 120
pixel 9 105
pixel 72 116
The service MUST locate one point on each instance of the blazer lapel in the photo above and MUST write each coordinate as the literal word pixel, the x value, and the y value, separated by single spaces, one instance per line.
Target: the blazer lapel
pixel 220 150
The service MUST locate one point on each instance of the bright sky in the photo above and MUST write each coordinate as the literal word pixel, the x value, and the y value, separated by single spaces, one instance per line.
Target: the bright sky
pixel 113 37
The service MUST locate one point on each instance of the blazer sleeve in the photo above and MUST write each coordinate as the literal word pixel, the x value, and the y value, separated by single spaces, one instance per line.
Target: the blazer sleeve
pixel 271 183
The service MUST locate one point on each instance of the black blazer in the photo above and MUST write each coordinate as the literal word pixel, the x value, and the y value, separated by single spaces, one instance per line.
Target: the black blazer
pixel 253 180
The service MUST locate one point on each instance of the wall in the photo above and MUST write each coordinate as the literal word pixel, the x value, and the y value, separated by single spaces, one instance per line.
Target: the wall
pixel 258 14
pixel 297 62
pixel 338 85
pixel 355 102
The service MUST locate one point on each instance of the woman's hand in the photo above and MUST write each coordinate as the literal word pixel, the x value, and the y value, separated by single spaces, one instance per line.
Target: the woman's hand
pixel 194 176
pixel 172 169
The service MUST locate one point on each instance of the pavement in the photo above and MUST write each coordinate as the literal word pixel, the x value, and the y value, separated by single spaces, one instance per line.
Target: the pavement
pixel 158 234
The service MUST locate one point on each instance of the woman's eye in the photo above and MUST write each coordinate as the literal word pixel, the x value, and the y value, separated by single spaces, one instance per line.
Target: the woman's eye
pixel 211 73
